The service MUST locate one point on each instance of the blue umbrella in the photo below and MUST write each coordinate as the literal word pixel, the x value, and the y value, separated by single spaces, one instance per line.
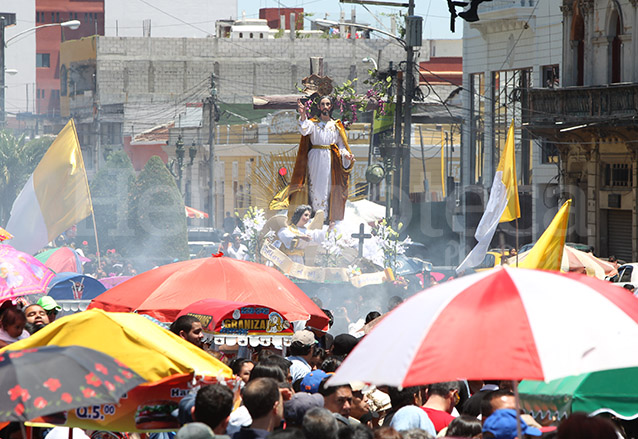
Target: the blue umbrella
pixel 75 286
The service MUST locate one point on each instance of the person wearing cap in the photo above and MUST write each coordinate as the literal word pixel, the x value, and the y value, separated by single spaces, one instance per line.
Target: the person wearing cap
pixel 195 430
pixel 360 406
pixel 311 382
pixel 301 353
pixel 502 425
pixel 343 344
pixel 297 406
pixel 51 307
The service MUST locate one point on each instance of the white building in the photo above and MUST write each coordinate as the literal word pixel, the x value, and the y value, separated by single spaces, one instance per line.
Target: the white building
pixel 166 18
pixel 20 77
pixel 515 45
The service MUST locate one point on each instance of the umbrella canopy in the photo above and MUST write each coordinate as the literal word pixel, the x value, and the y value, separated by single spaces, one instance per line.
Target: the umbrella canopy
pixel 110 282
pixel 194 213
pixel 53 379
pixel 62 259
pixel 4 235
pixel 151 351
pixel 577 261
pixel 75 286
pixel 608 391
pixel 21 274
pixel 505 323
pixel 164 291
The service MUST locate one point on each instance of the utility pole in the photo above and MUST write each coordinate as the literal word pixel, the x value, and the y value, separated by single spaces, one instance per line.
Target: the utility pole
pixel 212 106
pixel 413 38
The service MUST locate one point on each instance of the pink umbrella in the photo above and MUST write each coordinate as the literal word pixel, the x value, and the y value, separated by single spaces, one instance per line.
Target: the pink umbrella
pixel 110 282
pixel 506 323
pixel 21 274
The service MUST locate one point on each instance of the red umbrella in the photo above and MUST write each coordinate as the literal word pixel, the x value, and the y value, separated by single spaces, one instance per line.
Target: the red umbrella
pixel 506 323
pixel 194 213
pixel 164 291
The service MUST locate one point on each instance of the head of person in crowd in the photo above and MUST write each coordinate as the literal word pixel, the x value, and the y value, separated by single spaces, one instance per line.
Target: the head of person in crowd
pixel 13 321
pixel 311 382
pixel 502 425
pixel 443 396
pixel 195 430
pixel 582 426
pixel 372 315
pixel 358 431
pixel 464 426
pixel 318 355
pixel 213 405
pixel 393 302
pixel 416 433
pixel 264 402
pixel 242 368
pixel 319 423
pixel 360 406
pixel 337 399
pixel 406 396
pixel 302 343
pixel 277 360
pixel 51 307
pixel 288 433
pixel 264 370
pixel 387 433
pixel 496 400
pixel 36 318
pixel 297 406
pixel 331 364
pixel 344 344
pixel 190 329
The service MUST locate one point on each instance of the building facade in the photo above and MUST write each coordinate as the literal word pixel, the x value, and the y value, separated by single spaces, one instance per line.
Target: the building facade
pixel 514 47
pixel 590 123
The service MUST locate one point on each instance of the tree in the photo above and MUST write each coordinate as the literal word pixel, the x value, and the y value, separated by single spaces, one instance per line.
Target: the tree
pixel 110 191
pixel 159 221
pixel 18 160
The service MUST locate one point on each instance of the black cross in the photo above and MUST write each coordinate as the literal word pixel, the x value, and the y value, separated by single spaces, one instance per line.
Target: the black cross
pixel 361 237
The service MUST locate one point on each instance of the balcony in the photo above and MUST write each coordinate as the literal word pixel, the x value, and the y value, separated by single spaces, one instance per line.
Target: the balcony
pixel 557 112
pixel 496 5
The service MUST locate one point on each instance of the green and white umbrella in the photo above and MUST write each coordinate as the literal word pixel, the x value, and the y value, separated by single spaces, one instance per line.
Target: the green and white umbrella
pixel 609 391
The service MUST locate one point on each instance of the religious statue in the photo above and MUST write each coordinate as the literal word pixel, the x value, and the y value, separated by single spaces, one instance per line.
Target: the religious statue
pixel 296 237
pixel 324 162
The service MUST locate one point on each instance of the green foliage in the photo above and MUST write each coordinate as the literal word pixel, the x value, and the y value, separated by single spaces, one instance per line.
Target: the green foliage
pixel 110 191
pixel 18 160
pixel 157 208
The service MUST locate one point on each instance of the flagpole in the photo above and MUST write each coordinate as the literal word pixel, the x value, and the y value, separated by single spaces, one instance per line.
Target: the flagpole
pixel 97 244
pixel 516 242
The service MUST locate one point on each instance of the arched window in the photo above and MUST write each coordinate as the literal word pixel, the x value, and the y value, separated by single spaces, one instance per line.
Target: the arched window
pixel 241 35
pixel 616 47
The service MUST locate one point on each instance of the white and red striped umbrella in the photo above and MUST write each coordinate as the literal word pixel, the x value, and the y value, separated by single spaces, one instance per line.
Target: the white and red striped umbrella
pixel 506 323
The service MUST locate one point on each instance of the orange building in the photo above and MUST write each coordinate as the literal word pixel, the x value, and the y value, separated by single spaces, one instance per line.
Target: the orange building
pixel 90 13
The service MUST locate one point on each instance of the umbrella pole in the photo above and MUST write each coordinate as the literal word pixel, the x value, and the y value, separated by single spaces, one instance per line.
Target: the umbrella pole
pixel 97 244
pixel 519 430
pixel 517 250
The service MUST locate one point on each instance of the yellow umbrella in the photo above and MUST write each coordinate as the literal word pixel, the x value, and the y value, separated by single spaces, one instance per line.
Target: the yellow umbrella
pixel 151 351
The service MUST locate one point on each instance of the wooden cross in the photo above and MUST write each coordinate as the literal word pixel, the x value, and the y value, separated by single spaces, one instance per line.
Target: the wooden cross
pixel 361 237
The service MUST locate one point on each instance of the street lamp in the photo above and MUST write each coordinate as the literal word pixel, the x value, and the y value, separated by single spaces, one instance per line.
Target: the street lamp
pixel 5 20
pixel 371 60
pixel 71 24
pixel 192 152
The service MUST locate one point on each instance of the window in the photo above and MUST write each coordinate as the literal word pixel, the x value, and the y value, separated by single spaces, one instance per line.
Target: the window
pixel 40 93
pixel 549 153
pixel 42 60
pixel 617 175
pixel 550 76
pixel 241 35
pixel 625 275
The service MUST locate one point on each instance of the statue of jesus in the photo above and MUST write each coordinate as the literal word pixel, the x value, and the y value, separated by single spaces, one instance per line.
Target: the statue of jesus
pixel 323 164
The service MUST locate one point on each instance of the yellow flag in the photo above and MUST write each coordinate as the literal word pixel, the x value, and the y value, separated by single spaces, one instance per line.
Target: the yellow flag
pixel 508 166
pixel 547 253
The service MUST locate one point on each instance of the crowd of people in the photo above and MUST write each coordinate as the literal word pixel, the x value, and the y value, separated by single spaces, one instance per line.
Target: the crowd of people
pixel 290 397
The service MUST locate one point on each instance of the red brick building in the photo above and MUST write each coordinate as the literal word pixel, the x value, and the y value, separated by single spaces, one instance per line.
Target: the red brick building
pixel 90 13
pixel 273 16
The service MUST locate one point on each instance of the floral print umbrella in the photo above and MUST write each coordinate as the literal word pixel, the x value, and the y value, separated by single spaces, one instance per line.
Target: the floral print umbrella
pixel 21 274
pixel 53 379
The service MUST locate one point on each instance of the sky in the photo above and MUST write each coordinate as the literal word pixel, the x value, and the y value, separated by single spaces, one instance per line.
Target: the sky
pixel 436 17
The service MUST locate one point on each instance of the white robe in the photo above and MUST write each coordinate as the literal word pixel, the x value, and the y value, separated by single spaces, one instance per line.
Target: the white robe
pixel 288 234
pixel 319 163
